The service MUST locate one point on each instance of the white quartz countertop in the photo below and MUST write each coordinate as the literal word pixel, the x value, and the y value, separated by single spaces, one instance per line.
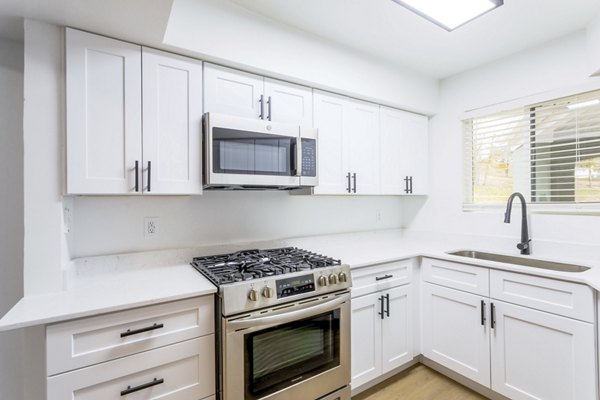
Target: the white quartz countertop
pixel 95 285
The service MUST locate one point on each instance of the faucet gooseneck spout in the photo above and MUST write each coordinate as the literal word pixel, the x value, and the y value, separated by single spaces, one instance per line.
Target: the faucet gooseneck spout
pixel 524 245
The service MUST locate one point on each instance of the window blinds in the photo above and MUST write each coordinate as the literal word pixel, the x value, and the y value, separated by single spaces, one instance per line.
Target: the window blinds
pixel 548 151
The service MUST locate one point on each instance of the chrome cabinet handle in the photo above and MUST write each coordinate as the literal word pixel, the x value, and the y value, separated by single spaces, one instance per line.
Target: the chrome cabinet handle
pixel 380 278
pixel 130 389
pixel 289 316
pixel 348 187
pixel 493 316
pixel 269 108
pixel 262 107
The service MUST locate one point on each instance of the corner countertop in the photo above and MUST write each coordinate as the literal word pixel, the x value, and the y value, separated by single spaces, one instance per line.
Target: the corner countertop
pixel 103 284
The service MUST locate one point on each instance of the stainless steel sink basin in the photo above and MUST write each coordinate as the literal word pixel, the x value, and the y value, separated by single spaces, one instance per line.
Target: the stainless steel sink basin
pixel 527 262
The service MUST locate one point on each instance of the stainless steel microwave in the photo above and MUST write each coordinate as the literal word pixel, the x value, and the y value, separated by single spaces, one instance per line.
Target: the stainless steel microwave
pixel 243 153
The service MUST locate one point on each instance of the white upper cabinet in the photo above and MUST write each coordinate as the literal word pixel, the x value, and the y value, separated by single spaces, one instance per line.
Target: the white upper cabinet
pixel 329 117
pixel 349 145
pixel 104 114
pixel 362 150
pixel 288 103
pixel 172 107
pixel 233 92
pixel 404 152
pixel 229 91
pixel 110 150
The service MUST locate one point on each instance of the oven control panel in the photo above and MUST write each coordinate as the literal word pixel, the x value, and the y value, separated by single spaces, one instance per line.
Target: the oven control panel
pixel 296 285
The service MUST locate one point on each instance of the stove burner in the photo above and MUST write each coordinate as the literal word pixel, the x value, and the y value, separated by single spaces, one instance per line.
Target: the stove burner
pixel 255 264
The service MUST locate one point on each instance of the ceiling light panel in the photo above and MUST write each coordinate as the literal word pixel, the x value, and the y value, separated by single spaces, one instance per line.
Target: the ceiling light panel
pixel 450 14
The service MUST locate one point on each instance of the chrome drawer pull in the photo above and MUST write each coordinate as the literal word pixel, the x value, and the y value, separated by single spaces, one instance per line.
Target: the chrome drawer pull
pixel 130 389
pixel 380 278
pixel 130 332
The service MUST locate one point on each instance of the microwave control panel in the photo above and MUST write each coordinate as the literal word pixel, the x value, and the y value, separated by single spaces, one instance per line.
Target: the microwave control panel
pixel 309 157
pixel 296 285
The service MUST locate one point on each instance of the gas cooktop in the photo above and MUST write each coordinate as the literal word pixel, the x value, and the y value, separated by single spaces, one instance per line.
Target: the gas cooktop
pixel 247 265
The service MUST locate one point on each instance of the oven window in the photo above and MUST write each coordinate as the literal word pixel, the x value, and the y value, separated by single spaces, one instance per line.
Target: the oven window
pixel 281 356
pixel 252 153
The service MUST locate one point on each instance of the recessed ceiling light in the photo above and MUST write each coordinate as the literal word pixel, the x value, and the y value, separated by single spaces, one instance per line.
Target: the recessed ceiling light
pixel 450 14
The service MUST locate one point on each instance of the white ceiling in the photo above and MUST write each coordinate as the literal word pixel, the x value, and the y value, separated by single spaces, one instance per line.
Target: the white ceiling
pixel 387 31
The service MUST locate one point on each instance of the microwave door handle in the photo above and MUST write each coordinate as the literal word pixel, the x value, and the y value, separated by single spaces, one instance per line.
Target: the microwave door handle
pixel 299 156
pixel 287 317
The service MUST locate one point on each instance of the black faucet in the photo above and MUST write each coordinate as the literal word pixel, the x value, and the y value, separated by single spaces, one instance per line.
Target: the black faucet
pixel 524 246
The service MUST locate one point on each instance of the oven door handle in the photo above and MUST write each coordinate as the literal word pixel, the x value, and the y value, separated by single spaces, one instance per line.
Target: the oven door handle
pixel 287 317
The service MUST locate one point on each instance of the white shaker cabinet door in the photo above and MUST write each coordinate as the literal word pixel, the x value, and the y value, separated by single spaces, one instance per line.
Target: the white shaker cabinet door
pixel 288 103
pixel 104 126
pixel 362 149
pixel 538 355
pixel 455 333
pixel 366 339
pixel 415 153
pixel 397 328
pixel 329 118
pixel 233 92
pixel 172 104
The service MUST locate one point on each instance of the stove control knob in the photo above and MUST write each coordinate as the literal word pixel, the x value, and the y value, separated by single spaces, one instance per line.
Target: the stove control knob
pixel 253 295
pixel 343 277
pixel 333 279
pixel 268 292
pixel 322 280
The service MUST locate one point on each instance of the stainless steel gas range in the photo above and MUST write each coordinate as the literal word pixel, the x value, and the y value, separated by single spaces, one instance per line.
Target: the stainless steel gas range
pixel 283 322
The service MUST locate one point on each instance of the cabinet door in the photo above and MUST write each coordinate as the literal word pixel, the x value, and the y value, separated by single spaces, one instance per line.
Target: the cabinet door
pixel 366 339
pixel 538 355
pixel 362 149
pixel 329 117
pixel 233 92
pixel 104 126
pixel 397 328
pixel 414 152
pixel 172 107
pixel 453 333
pixel 288 103
pixel 404 152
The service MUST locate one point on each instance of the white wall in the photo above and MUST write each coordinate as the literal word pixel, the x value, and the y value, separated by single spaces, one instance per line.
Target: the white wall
pixel 224 32
pixel 11 212
pixel 557 66
pixel 104 225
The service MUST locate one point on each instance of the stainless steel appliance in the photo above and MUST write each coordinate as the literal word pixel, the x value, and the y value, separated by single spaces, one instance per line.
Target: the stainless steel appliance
pixel 243 153
pixel 283 317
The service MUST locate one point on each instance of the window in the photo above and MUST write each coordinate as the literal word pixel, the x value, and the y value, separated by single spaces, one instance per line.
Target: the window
pixel 549 151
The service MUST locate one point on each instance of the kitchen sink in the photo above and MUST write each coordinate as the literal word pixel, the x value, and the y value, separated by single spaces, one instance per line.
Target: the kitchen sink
pixel 527 262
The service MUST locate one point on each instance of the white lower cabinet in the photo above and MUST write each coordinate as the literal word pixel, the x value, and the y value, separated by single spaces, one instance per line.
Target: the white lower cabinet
pixel 455 333
pixel 164 351
pixel 517 351
pixel 538 355
pixel 382 333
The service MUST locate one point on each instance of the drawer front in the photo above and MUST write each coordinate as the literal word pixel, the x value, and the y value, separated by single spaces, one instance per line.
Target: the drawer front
pixel 558 297
pixel 384 276
pixel 463 277
pixel 182 371
pixel 83 342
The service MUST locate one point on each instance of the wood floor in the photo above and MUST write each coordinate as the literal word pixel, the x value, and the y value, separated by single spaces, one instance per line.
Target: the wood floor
pixel 419 383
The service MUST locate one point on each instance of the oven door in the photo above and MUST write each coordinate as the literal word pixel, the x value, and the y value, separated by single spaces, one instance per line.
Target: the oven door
pixel 247 152
pixel 299 352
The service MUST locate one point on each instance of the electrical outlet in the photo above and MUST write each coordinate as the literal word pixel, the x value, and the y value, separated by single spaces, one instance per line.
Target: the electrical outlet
pixel 377 215
pixel 151 227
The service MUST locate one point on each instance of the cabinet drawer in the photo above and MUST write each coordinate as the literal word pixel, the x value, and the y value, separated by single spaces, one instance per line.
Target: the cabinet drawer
pixel 558 297
pixel 372 279
pixel 186 370
pixel 457 276
pixel 88 341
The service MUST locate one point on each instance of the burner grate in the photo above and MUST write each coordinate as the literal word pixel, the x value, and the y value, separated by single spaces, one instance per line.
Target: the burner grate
pixel 255 264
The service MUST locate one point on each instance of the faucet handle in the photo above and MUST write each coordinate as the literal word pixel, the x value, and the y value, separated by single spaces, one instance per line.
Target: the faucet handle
pixel 523 245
